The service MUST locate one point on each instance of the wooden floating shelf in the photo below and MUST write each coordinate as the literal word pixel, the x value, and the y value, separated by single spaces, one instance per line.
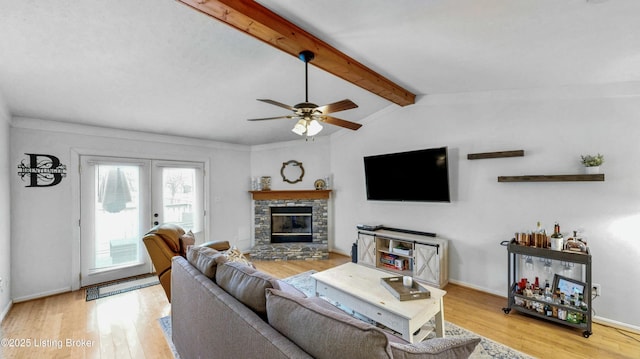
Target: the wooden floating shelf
pixel 552 178
pixel 484 155
pixel 295 194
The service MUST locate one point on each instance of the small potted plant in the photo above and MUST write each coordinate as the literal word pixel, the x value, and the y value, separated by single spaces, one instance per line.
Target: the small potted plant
pixel 592 163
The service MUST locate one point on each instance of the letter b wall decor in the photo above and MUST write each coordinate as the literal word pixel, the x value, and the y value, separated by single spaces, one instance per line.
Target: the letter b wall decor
pixel 42 170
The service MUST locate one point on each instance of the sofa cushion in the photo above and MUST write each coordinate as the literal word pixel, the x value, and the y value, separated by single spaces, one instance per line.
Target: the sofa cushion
pixel 324 333
pixel 288 288
pixel 205 259
pixel 436 348
pixel 246 284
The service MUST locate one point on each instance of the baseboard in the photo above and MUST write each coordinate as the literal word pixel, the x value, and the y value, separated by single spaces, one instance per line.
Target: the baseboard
pixel 41 295
pixel 340 253
pixel 475 287
pixel 615 324
pixel 5 311
pixel 600 320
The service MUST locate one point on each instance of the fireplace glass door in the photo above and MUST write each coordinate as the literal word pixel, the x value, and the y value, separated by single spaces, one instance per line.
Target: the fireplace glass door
pixel 291 224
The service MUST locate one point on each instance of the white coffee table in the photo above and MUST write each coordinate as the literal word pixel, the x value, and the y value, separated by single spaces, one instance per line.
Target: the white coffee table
pixel 359 288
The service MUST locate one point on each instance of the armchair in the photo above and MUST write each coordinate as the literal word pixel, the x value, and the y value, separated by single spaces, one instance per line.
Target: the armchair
pixel 166 241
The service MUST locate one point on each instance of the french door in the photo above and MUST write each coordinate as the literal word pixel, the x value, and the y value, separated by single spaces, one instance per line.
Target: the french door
pixel 121 199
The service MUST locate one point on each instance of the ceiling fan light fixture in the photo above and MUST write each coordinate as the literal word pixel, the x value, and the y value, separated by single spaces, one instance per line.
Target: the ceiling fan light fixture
pixel 308 113
pixel 313 128
pixel 300 128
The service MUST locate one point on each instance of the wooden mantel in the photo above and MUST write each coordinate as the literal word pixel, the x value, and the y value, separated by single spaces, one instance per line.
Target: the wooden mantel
pixel 289 194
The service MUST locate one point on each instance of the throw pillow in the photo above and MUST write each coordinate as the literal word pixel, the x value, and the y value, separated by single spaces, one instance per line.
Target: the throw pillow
pixel 234 255
pixel 246 284
pixel 322 332
pixel 205 259
pixel 186 240
pixel 436 348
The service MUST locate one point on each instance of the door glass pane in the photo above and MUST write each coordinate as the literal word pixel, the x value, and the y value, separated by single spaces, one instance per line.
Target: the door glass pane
pixel 117 217
pixel 179 191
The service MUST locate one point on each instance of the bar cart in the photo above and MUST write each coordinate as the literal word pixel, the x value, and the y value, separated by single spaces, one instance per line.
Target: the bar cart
pixel 576 315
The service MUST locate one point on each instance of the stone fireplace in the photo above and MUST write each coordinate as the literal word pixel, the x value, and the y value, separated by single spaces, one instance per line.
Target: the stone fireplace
pixel 290 225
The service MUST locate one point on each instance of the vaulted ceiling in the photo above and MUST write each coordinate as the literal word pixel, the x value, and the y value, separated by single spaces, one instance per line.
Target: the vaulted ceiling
pixel 162 67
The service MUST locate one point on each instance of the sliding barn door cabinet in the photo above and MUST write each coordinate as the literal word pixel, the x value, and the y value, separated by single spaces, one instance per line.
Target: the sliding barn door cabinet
pixel 408 253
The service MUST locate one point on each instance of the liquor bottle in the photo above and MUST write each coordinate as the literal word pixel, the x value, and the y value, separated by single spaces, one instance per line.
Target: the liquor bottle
pixel 545 239
pixel 557 241
pixel 548 311
pixel 579 239
pixel 575 244
pixel 539 236
pixel 547 290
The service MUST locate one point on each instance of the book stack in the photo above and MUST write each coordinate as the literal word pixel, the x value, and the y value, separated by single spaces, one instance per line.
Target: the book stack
pixel 388 260
pixel 393 261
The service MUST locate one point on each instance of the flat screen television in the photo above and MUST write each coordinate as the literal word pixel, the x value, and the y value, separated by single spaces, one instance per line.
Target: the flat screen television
pixel 420 176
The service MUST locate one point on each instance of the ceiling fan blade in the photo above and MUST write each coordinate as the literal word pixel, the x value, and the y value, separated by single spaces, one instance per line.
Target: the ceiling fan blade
pixel 270 118
pixel 337 106
pixel 338 122
pixel 276 103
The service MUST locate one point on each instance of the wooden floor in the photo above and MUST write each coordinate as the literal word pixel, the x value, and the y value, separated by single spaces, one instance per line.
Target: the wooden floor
pixel 126 325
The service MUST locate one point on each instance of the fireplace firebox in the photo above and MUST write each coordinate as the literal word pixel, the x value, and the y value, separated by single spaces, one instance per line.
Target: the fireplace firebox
pixel 291 224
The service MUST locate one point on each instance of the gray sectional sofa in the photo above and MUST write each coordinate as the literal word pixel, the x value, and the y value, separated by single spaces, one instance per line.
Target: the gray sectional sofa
pixel 223 309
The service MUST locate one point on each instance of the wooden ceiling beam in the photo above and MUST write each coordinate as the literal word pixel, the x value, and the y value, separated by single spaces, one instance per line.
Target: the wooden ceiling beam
pixel 269 27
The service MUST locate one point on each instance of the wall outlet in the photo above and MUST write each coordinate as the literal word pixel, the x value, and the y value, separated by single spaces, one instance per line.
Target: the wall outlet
pixel 596 289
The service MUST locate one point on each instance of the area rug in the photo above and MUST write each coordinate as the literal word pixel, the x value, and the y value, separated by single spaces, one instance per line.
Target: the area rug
pixel 485 350
pixel 165 324
pixel 122 286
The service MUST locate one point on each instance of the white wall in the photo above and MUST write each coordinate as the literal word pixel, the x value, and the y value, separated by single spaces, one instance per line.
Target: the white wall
pixel 267 160
pixel 554 127
pixel 43 223
pixel 5 213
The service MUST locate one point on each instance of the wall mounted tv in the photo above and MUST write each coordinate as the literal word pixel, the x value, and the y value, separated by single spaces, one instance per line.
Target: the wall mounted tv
pixel 420 176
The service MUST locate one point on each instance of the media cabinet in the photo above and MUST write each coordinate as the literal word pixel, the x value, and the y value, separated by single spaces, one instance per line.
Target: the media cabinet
pixel 407 253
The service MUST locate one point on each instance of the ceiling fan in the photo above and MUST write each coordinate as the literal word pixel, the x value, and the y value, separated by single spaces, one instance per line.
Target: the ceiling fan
pixel 309 115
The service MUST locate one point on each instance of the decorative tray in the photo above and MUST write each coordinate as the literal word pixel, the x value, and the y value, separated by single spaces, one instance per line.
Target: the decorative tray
pixel 395 286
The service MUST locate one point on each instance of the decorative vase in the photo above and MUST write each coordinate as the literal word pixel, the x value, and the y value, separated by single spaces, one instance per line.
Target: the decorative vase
pixel 593 170
pixel 265 183
pixel 255 183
